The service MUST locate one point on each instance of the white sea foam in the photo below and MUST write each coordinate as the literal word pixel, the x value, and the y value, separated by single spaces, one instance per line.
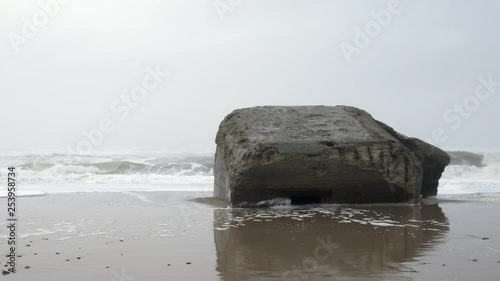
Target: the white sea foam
pixel 61 171
pixel 49 172
pixel 488 172
pixel 22 193
pixel 470 179
pixel 42 189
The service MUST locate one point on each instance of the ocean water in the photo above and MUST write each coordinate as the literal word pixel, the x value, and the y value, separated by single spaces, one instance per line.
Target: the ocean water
pixel 470 175
pixel 464 179
pixel 109 172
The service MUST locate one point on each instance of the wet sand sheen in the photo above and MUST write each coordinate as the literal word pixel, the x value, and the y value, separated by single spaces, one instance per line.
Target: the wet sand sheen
pixel 178 236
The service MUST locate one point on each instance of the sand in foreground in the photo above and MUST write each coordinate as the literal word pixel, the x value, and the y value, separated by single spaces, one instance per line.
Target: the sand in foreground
pixel 178 236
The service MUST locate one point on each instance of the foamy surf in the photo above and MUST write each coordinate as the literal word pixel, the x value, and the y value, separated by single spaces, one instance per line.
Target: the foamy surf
pixel 114 169
pixel 471 176
pixel 22 193
pixel 468 174
pixel 120 188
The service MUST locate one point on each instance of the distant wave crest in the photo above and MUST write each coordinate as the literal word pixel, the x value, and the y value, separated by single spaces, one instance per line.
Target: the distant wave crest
pixel 119 168
pixel 466 158
pixel 59 168
pixel 473 166
pixel 468 172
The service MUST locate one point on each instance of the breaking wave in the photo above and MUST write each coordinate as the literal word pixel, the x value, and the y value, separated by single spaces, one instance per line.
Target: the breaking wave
pixel 473 166
pixel 468 173
pixel 60 168
pixel 471 173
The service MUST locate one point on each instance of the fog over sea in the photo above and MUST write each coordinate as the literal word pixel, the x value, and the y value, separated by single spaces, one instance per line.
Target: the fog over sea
pixel 474 175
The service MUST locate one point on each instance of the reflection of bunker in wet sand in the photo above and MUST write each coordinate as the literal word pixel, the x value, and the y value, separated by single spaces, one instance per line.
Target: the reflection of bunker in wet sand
pixel 315 244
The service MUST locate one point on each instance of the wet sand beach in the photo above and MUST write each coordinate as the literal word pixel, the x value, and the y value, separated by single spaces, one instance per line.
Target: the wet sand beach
pixel 185 236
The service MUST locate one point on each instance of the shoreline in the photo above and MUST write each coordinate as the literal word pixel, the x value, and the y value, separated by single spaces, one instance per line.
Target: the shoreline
pixel 182 236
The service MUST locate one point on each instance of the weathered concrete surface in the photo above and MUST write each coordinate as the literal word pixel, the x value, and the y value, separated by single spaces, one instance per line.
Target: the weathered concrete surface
pixel 432 159
pixel 320 154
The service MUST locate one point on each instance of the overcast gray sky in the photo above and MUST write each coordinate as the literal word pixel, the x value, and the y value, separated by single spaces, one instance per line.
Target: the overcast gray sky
pixel 67 75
